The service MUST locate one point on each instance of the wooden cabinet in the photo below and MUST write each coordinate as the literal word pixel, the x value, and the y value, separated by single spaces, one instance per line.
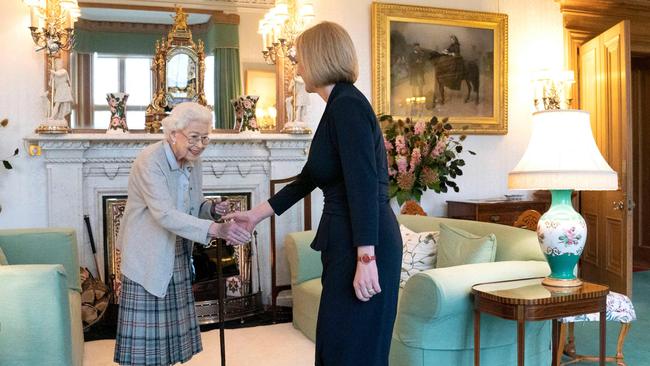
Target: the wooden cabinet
pixel 503 212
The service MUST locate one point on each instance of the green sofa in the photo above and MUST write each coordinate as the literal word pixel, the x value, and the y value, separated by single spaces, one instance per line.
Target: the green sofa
pixel 434 324
pixel 40 299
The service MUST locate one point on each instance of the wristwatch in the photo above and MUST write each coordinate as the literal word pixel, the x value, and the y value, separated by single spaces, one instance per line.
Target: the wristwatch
pixel 365 259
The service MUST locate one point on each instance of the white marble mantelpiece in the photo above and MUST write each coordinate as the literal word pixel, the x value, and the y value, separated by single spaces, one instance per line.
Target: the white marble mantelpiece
pixel 82 168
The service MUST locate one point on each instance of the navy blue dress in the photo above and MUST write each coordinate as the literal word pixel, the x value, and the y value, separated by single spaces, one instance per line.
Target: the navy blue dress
pixel 347 160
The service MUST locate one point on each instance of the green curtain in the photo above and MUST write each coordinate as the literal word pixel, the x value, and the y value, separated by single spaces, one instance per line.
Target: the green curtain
pixel 227 85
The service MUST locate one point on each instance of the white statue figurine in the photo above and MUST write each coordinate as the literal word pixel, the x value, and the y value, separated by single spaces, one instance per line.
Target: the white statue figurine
pixel 61 91
pixel 302 99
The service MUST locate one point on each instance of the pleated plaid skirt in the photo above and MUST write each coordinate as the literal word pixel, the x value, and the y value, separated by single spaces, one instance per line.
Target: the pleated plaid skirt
pixel 159 331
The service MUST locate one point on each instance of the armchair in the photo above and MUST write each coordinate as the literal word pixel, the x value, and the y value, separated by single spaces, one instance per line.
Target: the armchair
pixel 40 300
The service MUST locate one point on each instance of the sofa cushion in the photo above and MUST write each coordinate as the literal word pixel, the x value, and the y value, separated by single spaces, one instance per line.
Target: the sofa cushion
pixel 3 259
pixel 418 253
pixel 457 247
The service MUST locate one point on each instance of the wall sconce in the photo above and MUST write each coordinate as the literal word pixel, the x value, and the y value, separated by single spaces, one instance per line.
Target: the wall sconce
pixel 280 27
pixel 552 89
pixel 52 24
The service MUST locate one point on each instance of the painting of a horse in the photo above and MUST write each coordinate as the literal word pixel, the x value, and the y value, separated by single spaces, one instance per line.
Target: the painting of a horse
pixel 451 71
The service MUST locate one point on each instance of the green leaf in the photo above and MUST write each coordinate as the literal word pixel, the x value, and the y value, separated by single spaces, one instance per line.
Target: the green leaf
pixel 403 196
pixel 392 189
pixel 462 138
pixel 448 126
pixel 471 152
pixel 456 189
pixel 460 162
pixel 4 122
pixel 459 149
pixel 16 152
pixel 450 154
pixel 7 165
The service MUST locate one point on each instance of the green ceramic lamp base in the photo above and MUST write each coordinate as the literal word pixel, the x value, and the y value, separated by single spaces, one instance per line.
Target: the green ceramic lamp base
pixel 562 233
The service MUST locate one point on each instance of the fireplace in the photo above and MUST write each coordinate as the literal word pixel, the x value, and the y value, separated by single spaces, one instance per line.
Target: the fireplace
pixel 242 297
pixel 82 169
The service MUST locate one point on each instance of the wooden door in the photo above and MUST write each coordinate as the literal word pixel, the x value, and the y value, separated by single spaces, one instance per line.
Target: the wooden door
pixel 641 146
pixel 604 66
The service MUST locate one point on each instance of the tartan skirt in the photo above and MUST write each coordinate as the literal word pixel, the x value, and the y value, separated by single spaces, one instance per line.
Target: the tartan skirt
pixel 159 331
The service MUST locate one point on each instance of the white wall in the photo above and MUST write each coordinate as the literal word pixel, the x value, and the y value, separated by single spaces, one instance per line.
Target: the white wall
pixel 534 41
pixel 22 190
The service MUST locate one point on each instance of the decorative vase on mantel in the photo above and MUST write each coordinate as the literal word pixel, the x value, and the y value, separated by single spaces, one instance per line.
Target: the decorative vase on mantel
pixel 245 120
pixel 117 106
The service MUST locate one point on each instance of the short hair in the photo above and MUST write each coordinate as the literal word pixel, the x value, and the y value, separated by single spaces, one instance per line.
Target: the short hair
pixel 183 114
pixel 328 54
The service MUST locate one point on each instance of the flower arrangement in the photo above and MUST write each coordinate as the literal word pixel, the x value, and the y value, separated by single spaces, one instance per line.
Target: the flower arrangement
pixel 245 113
pixel 421 155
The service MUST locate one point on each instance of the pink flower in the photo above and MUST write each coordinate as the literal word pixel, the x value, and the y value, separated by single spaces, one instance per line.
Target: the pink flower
pixel 400 143
pixel 405 181
pixel 253 123
pixel 401 164
pixel 416 158
pixel 247 104
pixel 388 145
pixel 439 148
pixel 115 121
pixel 420 127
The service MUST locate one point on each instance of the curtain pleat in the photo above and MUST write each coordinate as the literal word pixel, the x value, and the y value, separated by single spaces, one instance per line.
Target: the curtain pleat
pixel 227 85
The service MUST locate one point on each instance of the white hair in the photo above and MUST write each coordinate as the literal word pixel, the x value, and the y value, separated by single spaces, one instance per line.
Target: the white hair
pixel 183 114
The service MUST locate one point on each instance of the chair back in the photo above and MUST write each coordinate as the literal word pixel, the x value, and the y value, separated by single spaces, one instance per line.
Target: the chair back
pixel 528 220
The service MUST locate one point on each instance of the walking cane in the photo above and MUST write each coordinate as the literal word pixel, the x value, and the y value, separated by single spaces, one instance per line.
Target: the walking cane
pixel 222 303
pixel 92 245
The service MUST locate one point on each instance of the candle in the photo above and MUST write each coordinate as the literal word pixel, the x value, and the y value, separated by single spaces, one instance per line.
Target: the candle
pixel 33 16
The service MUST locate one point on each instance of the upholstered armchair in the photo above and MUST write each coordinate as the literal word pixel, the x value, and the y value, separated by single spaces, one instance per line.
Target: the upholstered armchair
pixel 40 300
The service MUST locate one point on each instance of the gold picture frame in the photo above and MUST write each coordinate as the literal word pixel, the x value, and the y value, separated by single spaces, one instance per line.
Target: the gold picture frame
pixel 417 49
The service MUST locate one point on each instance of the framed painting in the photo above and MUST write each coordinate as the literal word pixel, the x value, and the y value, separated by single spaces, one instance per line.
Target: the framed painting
pixel 441 62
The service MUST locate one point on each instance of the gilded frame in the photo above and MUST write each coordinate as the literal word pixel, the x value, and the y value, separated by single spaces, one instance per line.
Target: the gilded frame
pixel 494 122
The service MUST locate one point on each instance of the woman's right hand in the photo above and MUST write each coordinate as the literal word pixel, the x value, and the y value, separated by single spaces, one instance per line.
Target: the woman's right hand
pixel 232 232
pixel 246 219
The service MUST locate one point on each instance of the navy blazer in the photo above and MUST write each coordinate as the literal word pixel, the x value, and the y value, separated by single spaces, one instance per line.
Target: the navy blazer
pixel 347 160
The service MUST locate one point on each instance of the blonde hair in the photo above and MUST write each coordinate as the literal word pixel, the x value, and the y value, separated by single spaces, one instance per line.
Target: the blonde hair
pixel 183 114
pixel 327 52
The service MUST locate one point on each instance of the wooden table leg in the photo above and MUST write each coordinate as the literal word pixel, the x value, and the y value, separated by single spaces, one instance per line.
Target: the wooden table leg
pixel 554 343
pixel 477 337
pixel 521 336
pixel 603 325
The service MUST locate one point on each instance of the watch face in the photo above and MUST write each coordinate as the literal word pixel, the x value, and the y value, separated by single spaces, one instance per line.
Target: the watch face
pixel 365 258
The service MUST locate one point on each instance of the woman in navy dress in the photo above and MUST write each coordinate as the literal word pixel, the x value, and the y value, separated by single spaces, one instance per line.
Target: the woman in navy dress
pixel 358 235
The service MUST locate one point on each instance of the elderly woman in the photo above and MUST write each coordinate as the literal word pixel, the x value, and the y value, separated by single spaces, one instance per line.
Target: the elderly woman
pixel 358 235
pixel 165 213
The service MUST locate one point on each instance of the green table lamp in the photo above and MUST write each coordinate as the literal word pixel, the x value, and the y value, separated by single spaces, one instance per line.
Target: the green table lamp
pixel 562 156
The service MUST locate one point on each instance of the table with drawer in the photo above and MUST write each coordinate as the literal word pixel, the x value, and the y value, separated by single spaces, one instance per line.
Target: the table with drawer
pixel 497 211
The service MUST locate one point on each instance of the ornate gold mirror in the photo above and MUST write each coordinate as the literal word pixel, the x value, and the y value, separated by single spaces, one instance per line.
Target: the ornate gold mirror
pixel 178 70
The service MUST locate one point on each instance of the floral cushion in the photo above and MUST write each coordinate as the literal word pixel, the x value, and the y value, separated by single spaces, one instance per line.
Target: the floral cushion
pixel 419 252
pixel 619 308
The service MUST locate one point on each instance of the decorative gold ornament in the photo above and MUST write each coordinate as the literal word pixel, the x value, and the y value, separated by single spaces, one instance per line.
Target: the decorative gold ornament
pixel 169 92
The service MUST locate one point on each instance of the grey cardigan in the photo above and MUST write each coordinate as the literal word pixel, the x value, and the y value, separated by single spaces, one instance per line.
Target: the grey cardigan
pixel 151 221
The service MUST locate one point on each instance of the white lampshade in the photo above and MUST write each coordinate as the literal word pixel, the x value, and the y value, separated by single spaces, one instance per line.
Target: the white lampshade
pixel 562 154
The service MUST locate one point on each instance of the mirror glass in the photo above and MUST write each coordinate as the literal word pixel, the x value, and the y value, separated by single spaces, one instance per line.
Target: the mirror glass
pixel 104 62
pixel 181 79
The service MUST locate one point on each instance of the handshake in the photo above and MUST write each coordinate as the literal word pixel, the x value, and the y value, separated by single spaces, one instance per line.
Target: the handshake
pixel 236 227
